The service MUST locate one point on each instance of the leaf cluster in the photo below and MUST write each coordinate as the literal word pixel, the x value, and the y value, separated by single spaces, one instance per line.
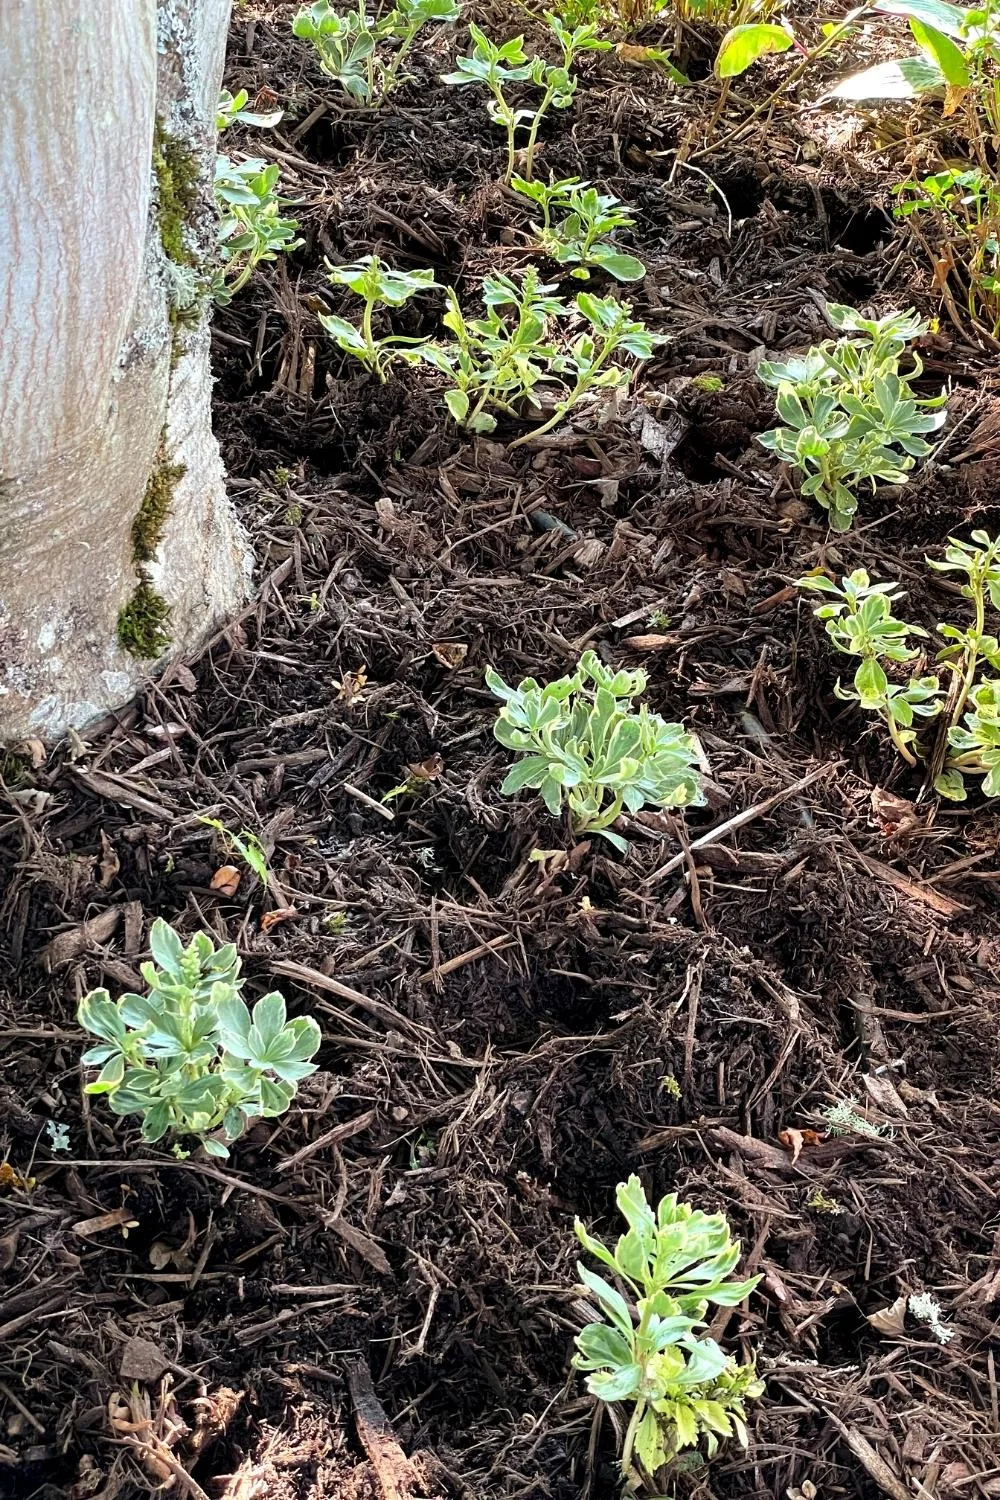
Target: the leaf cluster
pixel 582 237
pixel 496 66
pixel 252 225
pixel 583 743
pixel 675 1263
pixel 497 362
pixel 859 619
pixel 190 1057
pixel 847 411
pixel 348 43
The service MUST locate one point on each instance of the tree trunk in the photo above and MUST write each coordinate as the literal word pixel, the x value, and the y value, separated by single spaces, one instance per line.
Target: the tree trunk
pixel 118 547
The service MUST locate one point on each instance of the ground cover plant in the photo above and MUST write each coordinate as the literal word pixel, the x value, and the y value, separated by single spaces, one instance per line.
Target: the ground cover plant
pixel 776 1008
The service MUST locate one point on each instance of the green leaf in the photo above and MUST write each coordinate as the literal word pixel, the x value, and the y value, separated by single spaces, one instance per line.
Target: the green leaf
pixel 213 1147
pixel 457 403
pixel 744 45
pixel 871 682
pixel 166 947
pixel 906 78
pixel 109 1077
pixel 611 1302
pixel 99 1015
pixel 269 1017
pixel 943 51
pixel 275 1097
pixel 621 267
pixel 951 784
pixel 937 13
pixel 601 1345
pixel 617 1384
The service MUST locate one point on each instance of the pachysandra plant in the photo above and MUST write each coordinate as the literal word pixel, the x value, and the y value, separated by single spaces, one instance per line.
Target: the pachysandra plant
pixel 859 621
pixel 377 285
pixel 847 411
pixel 347 42
pixel 495 66
pixel 189 1058
pixel 582 238
pixel 648 1351
pixel 586 748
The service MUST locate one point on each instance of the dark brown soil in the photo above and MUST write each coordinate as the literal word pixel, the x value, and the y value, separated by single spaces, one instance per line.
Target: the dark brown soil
pixel 505 1041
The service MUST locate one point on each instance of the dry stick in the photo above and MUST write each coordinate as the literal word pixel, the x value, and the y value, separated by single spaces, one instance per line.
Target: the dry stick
pixel 748 815
pixel 317 980
pixel 151 1164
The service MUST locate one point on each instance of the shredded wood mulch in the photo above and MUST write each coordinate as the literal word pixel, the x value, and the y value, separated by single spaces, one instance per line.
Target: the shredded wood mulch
pixel 374 1300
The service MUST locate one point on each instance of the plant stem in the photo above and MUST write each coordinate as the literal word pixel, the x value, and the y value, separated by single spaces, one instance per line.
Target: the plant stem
pixel 972 658
pixel 366 334
pixel 529 155
pixel 893 729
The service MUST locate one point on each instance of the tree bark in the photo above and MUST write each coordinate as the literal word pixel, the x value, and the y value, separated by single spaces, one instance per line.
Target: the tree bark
pixel 112 501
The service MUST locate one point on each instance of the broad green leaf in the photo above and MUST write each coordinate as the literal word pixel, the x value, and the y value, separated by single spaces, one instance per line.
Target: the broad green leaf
pixel 269 1017
pixel 166 947
pixel 98 1014
pixel 612 1302
pixel 617 1384
pixel 937 13
pixel 744 45
pixel 621 267
pixel 602 1345
pixel 906 78
pixel 951 784
pixel 942 51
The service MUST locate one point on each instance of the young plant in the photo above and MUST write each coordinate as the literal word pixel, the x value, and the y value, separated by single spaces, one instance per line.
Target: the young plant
pixel 583 237
pixel 347 43
pixel 861 623
pixel 231 109
pixel 494 67
pixel 189 1057
pixel 246 844
pixel 583 743
pixel 847 410
pixel 378 286
pixel 590 360
pixel 252 227
pixel 500 360
pixel 646 1350
pixel 955 215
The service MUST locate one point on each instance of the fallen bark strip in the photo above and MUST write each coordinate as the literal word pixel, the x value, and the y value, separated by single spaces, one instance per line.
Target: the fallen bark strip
pixel 739 820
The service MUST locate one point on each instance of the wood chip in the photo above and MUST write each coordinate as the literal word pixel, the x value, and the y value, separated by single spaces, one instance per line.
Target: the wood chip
pixel 118 1218
pixel 365 1247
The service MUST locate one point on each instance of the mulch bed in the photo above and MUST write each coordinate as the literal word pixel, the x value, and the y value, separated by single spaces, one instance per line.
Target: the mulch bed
pixel 374 1298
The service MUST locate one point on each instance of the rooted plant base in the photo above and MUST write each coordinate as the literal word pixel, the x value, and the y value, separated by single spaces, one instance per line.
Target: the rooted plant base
pixel 525 1034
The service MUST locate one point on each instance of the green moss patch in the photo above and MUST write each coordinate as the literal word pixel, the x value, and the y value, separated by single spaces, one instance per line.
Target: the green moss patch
pixel 178 179
pixel 147 528
pixel 142 622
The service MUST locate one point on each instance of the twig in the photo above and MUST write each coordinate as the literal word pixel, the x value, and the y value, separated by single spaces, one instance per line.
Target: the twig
pixel 739 820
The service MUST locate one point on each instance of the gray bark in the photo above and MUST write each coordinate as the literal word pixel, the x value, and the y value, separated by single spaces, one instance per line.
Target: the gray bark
pixel 89 403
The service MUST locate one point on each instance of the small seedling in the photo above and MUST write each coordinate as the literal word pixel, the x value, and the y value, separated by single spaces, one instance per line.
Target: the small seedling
pixel 378 286
pixel 232 108
pixel 583 237
pixel 682 1387
pixel 499 361
pixel 247 845
pixel 252 227
pixel 189 1058
pixel 347 43
pixel 583 743
pixel 860 623
pixel 847 411
pixel 495 67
